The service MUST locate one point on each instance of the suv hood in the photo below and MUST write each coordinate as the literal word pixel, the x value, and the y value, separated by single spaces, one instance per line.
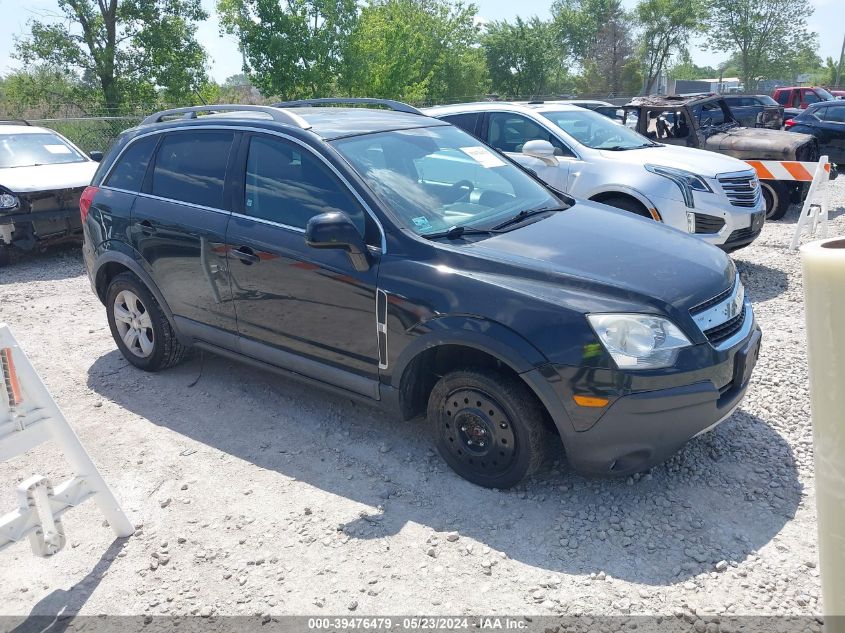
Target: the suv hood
pixel 595 249
pixel 697 161
pixel 47 177
pixel 757 143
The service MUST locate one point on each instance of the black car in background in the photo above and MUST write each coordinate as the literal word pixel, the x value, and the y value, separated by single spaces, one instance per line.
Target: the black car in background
pixel 825 121
pixel 756 110
pixel 394 258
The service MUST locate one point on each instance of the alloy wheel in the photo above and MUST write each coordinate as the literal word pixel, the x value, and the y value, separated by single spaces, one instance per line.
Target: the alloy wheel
pixel 134 324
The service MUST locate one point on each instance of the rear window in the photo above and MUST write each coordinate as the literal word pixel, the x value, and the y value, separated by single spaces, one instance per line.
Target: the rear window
pixel 32 149
pixel 191 167
pixel 466 122
pixel 129 170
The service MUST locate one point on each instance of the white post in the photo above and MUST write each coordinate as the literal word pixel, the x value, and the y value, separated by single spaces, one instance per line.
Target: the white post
pixel 823 264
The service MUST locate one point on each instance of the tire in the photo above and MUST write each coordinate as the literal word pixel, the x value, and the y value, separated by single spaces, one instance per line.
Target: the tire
pixel 776 195
pixel 5 257
pixel 627 204
pixel 488 427
pixel 152 345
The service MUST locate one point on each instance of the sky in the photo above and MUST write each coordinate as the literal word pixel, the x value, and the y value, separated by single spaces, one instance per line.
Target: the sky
pixel 828 21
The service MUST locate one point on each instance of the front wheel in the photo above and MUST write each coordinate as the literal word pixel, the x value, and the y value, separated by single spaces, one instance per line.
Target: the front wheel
pixel 488 427
pixel 776 196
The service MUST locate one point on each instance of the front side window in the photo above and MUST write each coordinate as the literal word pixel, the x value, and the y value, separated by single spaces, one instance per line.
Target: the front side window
pixel 834 114
pixel 288 185
pixel 811 97
pixel 435 178
pixel 128 173
pixel 32 149
pixel 595 130
pixel 191 167
pixel 510 132
pixel 783 97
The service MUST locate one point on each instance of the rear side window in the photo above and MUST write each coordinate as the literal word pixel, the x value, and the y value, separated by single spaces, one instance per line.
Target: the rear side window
pixel 834 114
pixel 191 167
pixel 289 185
pixel 129 170
pixel 467 122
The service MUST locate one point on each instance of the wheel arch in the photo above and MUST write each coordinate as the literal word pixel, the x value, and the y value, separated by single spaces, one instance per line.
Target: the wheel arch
pixel 622 191
pixel 463 342
pixel 112 263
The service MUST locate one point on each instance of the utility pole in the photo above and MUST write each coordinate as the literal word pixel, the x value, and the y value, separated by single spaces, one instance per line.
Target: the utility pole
pixel 841 61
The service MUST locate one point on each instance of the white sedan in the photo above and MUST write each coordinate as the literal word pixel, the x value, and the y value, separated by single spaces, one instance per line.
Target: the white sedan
pixel 42 175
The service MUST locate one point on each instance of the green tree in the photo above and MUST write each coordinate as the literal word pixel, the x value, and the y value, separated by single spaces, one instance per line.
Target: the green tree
pixel 684 68
pixel 132 48
pixel 523 58
pixel 666 29
pixel 763 35
pixel 416 50
pixel 597 33
pixel 45 92
pixel 292 48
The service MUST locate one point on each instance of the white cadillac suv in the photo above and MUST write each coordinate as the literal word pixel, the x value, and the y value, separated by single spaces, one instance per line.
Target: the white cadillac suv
pixel 713 196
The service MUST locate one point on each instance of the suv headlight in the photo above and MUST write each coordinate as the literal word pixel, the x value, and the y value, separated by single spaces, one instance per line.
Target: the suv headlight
pixel 8 201
pixel 639 341
pixel 686 181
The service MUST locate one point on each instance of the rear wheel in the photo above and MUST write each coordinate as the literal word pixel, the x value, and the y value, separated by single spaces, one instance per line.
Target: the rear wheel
pixel 139 327
pixel 488 427
pixel 776 196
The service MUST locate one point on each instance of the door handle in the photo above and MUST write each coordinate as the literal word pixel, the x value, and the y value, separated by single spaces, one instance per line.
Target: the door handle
pixel 246 255
pixel 147 227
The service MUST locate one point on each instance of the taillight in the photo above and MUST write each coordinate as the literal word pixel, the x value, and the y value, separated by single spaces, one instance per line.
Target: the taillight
pixel 85 201
pixel 788 123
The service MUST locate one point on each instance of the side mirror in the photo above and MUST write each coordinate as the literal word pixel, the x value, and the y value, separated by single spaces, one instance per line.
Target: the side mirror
pixel 543 150
pixel 336 230
pixel 96 156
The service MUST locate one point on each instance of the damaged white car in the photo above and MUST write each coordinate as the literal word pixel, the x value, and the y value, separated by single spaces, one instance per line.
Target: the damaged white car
pixel 42 175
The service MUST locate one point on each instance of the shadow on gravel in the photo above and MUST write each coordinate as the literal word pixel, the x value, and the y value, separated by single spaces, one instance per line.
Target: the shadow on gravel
pixel 54 613
pixel 723 497
pixel 62 261
pixel 761 282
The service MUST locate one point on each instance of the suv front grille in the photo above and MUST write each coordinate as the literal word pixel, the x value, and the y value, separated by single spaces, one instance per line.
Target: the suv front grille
pixel 742 190
pixel 727 329
pixel 708 223
pixel 723 316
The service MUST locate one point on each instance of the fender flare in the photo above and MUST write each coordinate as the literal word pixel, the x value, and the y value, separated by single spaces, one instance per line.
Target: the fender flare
pixel 120 257
pixel 479 333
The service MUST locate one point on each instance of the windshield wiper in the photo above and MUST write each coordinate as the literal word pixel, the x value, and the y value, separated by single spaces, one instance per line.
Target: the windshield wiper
pixel 458 231
pixel 525 214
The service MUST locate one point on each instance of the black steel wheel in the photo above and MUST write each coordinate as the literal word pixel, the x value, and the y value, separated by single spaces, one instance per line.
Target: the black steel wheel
pixel 488 427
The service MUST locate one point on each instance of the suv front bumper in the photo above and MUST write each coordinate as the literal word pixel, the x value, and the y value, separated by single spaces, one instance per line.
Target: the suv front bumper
pixel 642 428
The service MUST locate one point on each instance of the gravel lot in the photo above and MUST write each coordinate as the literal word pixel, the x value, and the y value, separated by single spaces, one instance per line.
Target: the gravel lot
pixel 255 495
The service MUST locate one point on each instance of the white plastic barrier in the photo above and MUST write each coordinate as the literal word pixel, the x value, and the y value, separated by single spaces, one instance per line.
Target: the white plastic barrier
pixel 814 210
pixel 28 417
pixel 823 264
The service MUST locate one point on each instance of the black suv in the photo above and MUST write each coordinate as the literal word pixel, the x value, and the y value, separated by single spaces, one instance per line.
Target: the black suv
pixel 394 257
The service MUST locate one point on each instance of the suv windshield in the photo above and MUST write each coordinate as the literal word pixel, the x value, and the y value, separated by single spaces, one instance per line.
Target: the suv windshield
pixel 437 178
pixel 596 130
pixel 824 95
pixel 27 150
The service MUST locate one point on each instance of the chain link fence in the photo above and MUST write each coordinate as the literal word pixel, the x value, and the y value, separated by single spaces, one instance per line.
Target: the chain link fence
pixel 90 133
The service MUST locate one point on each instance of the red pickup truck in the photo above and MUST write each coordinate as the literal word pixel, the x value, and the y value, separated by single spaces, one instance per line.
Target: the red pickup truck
pixel 797 98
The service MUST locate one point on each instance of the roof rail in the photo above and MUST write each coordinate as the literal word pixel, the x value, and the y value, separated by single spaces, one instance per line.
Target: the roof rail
pixel 191 113
pixel 396 106
pixel 14 122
